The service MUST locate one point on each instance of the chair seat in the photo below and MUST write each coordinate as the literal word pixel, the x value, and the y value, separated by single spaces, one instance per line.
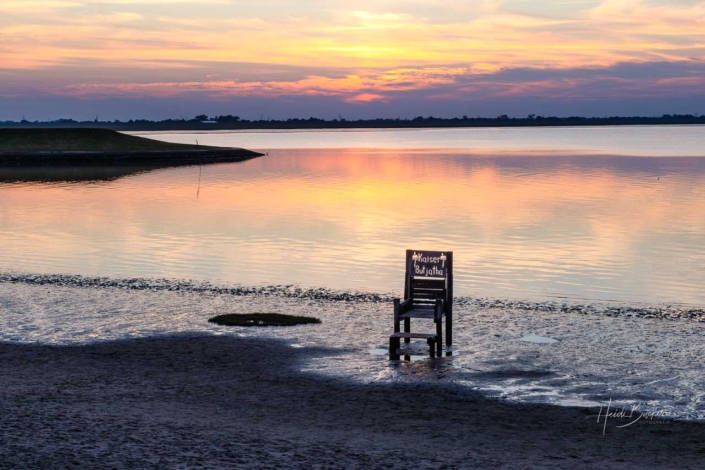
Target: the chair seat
pixel 418 313
pixel 413 335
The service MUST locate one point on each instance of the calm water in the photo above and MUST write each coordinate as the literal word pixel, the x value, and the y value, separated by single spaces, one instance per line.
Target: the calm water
pixel 529 213
pixel 663 141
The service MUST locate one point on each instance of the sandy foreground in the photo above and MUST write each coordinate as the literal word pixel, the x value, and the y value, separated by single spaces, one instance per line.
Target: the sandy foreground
pixel 104 378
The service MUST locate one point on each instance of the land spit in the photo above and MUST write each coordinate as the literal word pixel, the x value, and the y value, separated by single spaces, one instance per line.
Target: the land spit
pixel 101 147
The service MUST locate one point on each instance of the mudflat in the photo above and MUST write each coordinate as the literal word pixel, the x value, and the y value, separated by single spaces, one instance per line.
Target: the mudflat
pixel 192 400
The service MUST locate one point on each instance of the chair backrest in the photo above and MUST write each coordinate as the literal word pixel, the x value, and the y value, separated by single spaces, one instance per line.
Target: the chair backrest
pixel 429 276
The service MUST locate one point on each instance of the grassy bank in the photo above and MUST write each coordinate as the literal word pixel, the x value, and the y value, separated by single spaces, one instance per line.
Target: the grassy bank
pixel 81 140
pixel 103 147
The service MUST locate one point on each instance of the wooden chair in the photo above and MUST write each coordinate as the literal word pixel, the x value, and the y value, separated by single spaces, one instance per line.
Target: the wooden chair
pixel 428 294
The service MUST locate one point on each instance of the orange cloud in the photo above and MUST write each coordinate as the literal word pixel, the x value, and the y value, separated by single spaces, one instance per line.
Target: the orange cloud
pixel 377 51
pixel 492 35
pixel 432 83
pixel 353 88
pixel 366 98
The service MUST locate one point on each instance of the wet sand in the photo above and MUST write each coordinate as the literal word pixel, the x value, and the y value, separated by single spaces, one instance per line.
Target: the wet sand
pixel 195 400
pixel 627 359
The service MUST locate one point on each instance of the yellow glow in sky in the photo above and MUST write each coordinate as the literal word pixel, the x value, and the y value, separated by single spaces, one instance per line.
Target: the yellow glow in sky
pixel 362 53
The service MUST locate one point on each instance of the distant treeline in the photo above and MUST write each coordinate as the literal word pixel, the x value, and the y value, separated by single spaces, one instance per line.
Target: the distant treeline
pixel 204 122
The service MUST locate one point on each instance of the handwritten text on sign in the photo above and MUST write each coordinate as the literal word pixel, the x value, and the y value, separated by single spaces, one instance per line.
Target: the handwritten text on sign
pixel 430 264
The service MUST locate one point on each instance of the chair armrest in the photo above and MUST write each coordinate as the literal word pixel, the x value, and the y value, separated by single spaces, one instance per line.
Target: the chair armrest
pixel 401 308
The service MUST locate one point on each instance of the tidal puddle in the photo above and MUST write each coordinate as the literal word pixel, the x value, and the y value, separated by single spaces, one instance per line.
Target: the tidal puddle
pixel 538 339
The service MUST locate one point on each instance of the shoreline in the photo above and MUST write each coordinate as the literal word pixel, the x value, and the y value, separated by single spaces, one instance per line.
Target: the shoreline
pixel 222 402
pixel 597 308
pixel 100 158
pixel 595 359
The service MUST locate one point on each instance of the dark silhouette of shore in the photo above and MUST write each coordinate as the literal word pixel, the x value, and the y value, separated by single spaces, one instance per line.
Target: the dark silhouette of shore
pixel 230 122
pixel 102 147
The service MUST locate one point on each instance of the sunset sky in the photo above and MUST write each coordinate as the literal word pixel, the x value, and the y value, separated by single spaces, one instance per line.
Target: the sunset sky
pixel 122 59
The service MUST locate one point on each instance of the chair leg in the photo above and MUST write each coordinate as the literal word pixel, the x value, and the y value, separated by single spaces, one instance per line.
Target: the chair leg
pixel 393 348
pixel 432 347
pixel 407 329
pixel 449 329
pixel 439 335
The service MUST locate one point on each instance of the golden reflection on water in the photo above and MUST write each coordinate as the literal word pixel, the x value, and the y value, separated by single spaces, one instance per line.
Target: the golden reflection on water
pixel 584 227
